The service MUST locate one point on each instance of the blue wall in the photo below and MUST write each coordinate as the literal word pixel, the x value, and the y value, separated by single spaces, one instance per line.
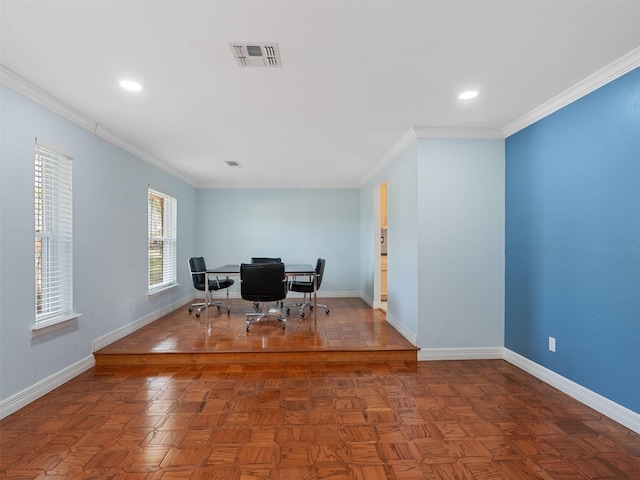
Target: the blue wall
pixel 573 241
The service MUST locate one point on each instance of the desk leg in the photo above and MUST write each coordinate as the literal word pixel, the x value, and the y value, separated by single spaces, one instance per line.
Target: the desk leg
pixel 206 297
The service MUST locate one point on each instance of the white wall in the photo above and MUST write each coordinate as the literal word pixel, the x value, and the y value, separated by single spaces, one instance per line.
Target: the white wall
pixel 461 242
pixel 110 242
pixel 297 225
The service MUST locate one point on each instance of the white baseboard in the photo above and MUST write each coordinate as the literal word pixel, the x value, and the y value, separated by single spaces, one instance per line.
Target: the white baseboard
pixel 369 301
pixel 28 395
pixel 32 393
pixel 402 329
pixel 613 410
pixel 129 328
pixel 609 408
pixel 476 353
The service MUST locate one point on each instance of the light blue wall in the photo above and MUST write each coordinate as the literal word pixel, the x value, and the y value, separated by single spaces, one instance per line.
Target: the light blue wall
pixel 297 225
pixel 460 242
pixel 573 241
pixel 445 200
pixel 110 241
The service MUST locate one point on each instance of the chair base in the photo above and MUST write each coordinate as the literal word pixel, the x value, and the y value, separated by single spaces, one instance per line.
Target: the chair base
pixel 266 313
pixel 202 306
pixel 304 304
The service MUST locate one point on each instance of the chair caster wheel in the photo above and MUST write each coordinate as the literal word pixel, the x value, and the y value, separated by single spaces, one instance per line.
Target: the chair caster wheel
pixel 190 309
pixel 198 315
pixel 288 311
pixel 327 311
pixel 301 314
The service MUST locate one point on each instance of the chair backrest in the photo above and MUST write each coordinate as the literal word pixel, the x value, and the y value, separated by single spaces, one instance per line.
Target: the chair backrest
pixel 197 264
pixel 265 260
pixel 263 282
pixel 320 271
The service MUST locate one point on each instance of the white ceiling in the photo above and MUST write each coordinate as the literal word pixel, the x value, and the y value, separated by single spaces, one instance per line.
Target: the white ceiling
pixel 355 75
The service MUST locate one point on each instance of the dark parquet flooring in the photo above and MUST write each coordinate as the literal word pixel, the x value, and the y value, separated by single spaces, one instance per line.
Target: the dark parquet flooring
pixel 395 420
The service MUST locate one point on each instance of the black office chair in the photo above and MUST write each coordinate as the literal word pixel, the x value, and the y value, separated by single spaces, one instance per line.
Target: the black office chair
pixel 263 282
pixel 307 287
pixel 256 305
pixel 197 267
pixel 265 260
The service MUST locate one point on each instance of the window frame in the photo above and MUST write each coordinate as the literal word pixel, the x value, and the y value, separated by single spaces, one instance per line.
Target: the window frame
pixel 167 238
pixel 53 236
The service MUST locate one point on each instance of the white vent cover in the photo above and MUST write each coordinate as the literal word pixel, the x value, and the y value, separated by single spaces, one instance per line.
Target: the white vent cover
pixel 255 54
pixel 232 163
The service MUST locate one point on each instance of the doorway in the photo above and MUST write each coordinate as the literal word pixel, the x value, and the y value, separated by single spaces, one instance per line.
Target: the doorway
pixel 383 247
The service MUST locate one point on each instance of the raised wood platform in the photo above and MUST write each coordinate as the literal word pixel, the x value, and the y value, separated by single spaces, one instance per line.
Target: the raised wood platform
pixel 352 332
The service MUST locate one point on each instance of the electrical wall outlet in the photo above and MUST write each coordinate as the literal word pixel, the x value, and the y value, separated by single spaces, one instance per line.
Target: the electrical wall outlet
pixel 552 344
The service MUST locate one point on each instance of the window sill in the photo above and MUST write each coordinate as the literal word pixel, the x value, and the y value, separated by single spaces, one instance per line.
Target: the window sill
pixel 53 324
pixel 160 291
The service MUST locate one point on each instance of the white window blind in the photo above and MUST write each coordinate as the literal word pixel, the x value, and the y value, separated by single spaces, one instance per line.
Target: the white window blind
pixel 53 235
pixel 162 220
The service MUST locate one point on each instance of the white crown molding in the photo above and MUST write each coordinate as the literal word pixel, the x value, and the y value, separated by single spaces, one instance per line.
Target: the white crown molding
pixel 429 132
pixel 24 87
pixel 458 132
pixel 609 73
pixel 21 85
pixel 397 147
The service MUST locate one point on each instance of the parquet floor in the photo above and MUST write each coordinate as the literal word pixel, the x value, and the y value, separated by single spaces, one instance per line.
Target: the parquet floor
pixel 395 420
pixel 353 331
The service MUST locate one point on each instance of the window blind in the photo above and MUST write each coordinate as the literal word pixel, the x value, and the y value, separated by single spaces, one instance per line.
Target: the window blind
pixel 162 221
pixel 53 234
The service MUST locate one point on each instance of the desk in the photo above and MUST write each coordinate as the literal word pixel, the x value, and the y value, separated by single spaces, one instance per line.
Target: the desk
pixel 291 270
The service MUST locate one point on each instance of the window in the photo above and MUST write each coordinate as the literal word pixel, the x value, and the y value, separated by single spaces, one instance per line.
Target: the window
pixel 53 236
pixel 162 240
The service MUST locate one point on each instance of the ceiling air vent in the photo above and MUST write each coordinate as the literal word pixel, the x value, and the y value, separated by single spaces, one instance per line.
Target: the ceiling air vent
pixel 231 163
pixel 255 54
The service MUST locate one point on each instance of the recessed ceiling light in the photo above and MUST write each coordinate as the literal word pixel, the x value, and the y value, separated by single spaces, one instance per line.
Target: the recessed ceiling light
pixel 131 85
pixel 468 95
